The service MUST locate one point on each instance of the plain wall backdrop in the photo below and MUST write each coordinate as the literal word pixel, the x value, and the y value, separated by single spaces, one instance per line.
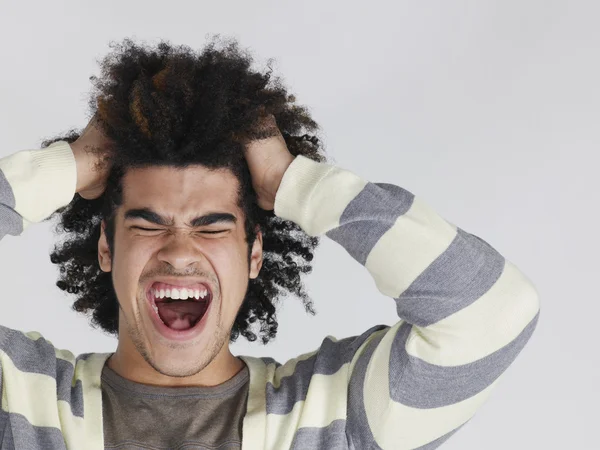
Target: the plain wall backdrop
pixel 488 110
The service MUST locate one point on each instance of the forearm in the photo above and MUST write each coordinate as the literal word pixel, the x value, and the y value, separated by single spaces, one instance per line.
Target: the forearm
pixel 34 184
pixel 410 250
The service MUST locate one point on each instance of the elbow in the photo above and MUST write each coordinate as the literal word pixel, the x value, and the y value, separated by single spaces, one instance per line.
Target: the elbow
pixel 514 305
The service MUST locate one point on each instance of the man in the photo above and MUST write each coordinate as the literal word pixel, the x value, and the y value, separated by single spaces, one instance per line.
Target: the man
pixel 168 250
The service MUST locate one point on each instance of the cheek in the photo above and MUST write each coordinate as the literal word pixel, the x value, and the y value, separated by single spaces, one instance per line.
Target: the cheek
pixel 226 258
pixel 230 262
pixel 129 261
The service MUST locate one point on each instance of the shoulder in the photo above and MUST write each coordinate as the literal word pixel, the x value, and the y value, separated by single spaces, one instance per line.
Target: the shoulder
pixel 32 355
pixel 29 352
pixel 333 357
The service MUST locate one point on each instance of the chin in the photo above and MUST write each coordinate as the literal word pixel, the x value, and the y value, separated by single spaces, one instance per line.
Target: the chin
pixel 176 369
pixel 176 359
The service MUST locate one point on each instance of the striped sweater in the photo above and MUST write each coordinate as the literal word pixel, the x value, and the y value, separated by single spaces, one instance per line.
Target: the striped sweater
pixel 464 314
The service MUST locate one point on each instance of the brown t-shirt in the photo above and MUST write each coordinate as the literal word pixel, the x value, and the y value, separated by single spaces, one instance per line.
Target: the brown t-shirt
pixel 138 416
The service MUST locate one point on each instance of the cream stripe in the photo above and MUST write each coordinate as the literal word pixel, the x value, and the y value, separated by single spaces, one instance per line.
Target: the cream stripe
pixel 315 411
pixel 254 424
pixel 35 335
pixel 310 195
pixel 72 426
pixel 42 180
pixel 359 353
pixel 483 327
pixel 289 368
pixel 65 355
pixel 27 394
pixel 404 252
pixel 402 427
pixel 89 372
pixel 329 218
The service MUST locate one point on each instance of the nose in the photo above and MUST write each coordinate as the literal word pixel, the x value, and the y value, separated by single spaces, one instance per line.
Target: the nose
pixel 180 251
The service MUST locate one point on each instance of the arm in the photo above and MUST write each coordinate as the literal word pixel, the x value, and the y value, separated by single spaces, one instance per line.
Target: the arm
pixel 34 184
pixel 465 311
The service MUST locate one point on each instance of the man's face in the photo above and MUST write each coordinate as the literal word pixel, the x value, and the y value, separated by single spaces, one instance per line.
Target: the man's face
pixel 179 229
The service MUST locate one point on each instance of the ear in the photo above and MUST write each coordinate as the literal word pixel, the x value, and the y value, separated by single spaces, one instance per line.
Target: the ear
pixel 256 257
pixel 104 257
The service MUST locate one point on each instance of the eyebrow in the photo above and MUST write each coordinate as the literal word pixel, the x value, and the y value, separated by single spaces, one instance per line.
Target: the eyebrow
pixel 201 221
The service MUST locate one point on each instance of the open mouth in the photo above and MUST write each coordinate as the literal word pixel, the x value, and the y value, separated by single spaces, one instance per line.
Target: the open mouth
pixel 180 308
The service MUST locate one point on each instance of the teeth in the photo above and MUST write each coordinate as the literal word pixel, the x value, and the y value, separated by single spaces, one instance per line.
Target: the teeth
pixel 180 294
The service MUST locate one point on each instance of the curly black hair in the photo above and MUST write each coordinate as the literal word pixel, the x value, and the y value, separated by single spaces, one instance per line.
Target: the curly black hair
pixel 172 105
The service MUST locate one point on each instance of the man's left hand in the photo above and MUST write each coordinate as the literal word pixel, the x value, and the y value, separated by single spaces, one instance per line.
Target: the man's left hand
pixel 268 159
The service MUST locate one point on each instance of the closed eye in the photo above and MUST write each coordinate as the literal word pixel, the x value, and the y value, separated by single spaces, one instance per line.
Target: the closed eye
pixel 159 229
pixel 146 229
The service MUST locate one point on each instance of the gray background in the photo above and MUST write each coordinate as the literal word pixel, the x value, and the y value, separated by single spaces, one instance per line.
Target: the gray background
pixel 487 110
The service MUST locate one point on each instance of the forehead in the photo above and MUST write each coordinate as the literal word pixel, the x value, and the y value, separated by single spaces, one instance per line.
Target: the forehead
pixel 179 191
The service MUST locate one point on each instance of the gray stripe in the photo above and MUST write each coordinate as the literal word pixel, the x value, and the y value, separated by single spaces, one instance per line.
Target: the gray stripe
pixel 328 360
pixel 369 216
pixel 17 433
pixel 64 387
pixel 331 437
pixel 7 196
pixel 358 431
pixel 39 357
pixel 6 440
pixel 28 355
pixel 466 270
pixel 11 221
pixel 427 385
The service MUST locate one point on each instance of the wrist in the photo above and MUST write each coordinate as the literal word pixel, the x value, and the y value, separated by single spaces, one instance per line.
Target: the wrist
pixel 279 173
pixel 82 162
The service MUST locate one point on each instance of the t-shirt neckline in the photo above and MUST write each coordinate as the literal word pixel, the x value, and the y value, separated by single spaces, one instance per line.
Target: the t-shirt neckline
pixel 227 388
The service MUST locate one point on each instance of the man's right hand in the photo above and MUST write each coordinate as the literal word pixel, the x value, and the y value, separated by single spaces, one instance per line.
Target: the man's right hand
pixel 91 151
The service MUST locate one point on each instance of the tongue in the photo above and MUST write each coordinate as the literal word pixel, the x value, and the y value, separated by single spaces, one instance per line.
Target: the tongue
pixel 181 314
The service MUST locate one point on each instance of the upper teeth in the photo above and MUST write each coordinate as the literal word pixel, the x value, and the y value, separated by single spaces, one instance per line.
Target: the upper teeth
pixel 180 294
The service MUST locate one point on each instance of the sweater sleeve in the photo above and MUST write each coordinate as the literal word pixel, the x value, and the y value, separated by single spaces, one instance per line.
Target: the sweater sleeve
pixel 42 393
pixel 465 311
pixel 34 184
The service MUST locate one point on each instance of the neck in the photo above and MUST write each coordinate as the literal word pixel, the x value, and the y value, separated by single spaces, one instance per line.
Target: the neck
pixel 222 368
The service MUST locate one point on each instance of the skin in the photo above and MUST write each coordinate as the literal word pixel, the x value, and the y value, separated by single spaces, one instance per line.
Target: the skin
pixel 182 252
